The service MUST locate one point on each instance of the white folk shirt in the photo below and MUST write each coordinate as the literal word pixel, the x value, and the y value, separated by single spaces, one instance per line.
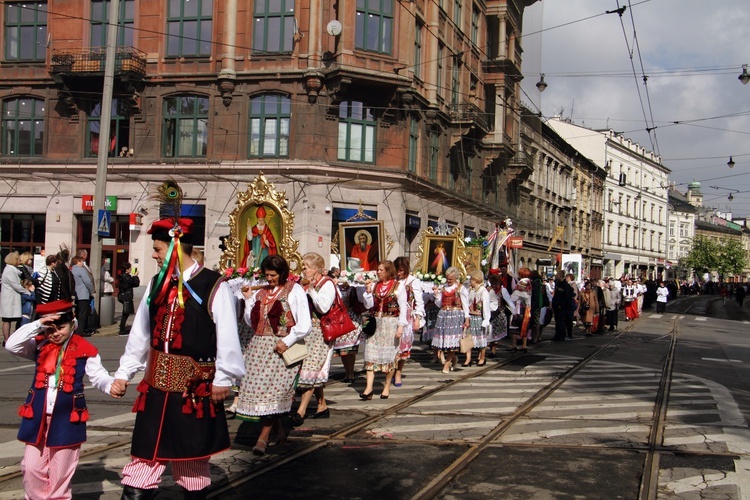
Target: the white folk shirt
pixel 369 302
pixel 300 309
pixel 481 296
pixel 23 344
pixel 230 365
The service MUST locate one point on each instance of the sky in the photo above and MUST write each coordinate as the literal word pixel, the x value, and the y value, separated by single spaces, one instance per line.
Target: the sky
pixel 691 52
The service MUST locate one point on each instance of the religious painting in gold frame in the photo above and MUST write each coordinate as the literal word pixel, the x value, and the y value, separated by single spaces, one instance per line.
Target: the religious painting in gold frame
pixel 439 252
pixel 362 245
pixel 473 258
pixel 260 225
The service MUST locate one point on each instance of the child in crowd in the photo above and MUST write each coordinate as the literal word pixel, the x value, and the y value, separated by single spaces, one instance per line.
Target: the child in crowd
pixel 27 301
pixel 54 416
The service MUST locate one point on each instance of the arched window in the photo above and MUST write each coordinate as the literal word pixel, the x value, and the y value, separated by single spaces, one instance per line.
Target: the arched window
pixel 185 126
pixel 23 127
pixel 269 126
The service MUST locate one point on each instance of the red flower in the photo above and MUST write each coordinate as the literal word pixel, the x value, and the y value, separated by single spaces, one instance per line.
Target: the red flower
pixel 228 272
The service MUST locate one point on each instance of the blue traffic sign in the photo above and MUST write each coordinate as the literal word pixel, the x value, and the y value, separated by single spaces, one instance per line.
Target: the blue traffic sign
pixel 103 223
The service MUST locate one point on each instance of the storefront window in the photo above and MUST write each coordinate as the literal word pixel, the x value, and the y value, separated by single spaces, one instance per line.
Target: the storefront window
pixel 22 232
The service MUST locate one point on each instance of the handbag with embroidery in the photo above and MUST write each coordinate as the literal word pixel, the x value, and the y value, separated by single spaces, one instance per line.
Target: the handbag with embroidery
pixel 336 322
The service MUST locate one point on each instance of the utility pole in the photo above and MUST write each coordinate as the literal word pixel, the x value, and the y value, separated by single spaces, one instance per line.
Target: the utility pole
pixel 100 192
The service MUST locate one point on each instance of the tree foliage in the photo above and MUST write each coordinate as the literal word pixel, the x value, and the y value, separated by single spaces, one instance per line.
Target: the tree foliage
pixel 725 257
pixel 732 258
pixel 703 257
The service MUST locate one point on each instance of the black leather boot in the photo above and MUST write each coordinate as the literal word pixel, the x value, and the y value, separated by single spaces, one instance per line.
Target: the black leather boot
pixel 195 495
pixel 131 493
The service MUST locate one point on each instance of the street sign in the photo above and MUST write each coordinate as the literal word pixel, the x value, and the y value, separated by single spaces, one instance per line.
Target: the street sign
pixel 103 223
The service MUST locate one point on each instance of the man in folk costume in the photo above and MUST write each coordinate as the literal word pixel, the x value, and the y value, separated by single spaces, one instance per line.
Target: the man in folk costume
pixel 185 336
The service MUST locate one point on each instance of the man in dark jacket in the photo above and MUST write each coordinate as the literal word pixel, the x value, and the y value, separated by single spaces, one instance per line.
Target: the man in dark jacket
pixel 563 304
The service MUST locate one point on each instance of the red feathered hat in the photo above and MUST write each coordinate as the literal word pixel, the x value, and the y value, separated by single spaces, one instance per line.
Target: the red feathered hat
pixel 166 225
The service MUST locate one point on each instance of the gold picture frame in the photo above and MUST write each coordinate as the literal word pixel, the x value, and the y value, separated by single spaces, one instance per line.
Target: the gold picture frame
pixel 251 240
pixel 361 245
pixel 438 252
pixel 473 258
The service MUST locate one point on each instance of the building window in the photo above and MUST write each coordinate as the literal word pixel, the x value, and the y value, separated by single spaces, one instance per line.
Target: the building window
pixel 455 82
pixel 356 132
pixel 26 31
pixel 125 22
pixel 439 82
pixel 418 51
pixel 22 232
pixel 273 26
pixel 374 30
pixel 269 126
pixel 413 144
pixel 434 155
pixel 119 131
pixel 23 127
pixel 475 16
pixel 189 28
pixel 457 13
pixel 185 126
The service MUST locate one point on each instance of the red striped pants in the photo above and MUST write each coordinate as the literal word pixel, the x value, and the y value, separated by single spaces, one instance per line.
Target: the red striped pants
pixel 47 471
pixel 193 475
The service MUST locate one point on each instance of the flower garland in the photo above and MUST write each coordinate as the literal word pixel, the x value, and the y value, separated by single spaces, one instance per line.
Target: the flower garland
pixel 359 278
pixel 431 278
pixel 242 272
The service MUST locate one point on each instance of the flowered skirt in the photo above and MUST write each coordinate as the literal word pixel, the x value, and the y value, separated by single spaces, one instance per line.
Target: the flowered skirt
pixel 268 385
pixel 478 333
pixel 449 328
pixel 382 347
pixel 407 340
pixel 498 327
pixel 349 342
pixel 317 364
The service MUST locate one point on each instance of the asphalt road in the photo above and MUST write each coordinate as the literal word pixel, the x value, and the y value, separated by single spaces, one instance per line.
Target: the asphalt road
pixel 577 419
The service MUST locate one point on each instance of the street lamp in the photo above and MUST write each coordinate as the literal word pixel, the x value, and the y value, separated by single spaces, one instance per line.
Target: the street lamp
pixel 744 76
pixel 541 85
pixel 730 163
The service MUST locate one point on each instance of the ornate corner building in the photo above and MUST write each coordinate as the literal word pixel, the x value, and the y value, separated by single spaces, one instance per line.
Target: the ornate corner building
pixel 407 111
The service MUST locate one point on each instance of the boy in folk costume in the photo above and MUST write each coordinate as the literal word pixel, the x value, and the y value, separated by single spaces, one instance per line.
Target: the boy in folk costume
pixel 185 336
pixel 54 415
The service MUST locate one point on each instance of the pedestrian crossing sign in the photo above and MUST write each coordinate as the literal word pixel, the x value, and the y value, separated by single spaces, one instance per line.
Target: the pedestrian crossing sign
pixel 103 223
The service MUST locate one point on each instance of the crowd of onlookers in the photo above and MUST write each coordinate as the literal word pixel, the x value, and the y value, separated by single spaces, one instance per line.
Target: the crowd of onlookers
pixel 61 278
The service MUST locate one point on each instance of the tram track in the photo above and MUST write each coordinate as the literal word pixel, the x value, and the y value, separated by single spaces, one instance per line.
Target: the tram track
pixel 652 450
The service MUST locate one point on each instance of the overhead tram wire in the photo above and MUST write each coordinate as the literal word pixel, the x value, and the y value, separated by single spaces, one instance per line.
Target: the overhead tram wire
pixel 450 54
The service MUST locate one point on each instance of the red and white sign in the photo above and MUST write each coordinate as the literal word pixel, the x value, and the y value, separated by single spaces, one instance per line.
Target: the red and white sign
pixel 515 242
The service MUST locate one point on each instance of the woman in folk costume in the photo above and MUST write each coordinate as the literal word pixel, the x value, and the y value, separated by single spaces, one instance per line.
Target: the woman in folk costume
pixel 54 415
pixel 347 345
pixel 479 316
pixel 386 300
pixel 414 314
pixel 279 316
pixel 499 302
pixel 453 317
pixel 185 334
pixel 313 375
pixel 521 300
